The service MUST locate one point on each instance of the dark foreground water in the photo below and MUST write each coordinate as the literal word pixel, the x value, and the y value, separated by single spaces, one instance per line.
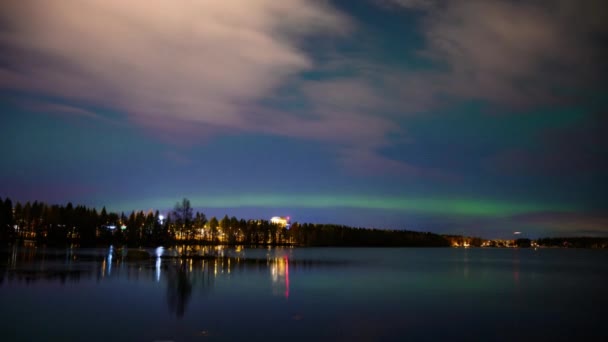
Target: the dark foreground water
pixel 305 294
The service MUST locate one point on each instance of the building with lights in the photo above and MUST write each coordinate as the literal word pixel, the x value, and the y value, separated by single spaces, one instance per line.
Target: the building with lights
pixel 281 221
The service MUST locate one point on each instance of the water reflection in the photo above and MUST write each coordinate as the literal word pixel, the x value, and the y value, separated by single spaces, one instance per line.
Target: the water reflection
pixel 157 269
pixel 516 269
pixel 159 253
pixel 110 253
pixel 279 270
pixel 182 276
pixel 465 262
pixel 29 276
pixel 179 289
pixel 307 294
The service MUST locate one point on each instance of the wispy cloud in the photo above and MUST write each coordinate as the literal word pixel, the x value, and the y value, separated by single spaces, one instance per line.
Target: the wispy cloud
pixel 197 62
pixel 510 52
pixel 64 110
pixel 192 70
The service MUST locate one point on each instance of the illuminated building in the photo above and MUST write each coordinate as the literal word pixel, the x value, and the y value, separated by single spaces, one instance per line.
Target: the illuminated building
pixel 283 222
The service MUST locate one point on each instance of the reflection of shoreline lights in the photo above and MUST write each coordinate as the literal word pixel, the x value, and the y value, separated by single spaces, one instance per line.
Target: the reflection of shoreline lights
pixel 279 268
pixel 159 253
pixel 110 259
pixel 286 277
pixel 157 269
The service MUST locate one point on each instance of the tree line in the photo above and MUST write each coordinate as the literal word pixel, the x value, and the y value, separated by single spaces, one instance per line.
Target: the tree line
pixel 67 224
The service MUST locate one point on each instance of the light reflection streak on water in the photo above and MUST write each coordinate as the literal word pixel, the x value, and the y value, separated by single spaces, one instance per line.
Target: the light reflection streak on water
pixel 466 263
pixel 279 274
pixel 286 277
pixel 110 260
pixel 276 266
pixel 14 257
pixel 516 269
pixel 157 272
pixel 159 253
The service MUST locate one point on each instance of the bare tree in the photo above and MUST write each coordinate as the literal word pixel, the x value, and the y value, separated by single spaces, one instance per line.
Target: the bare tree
pixel 182 216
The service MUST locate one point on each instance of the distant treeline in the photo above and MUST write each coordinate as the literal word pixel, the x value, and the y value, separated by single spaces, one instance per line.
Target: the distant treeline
pixel 574 242
pixel 67 224
pixel 563 242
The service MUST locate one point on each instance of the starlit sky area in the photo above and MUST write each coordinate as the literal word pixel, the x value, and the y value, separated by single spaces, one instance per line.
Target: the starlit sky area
pixel 460 117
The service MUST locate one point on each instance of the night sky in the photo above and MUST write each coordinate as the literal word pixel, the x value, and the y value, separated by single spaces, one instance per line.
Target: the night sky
pixel 466 117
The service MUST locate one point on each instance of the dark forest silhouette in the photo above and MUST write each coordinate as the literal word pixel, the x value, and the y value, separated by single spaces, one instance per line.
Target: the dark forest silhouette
pixel 69 224
pixel 57 224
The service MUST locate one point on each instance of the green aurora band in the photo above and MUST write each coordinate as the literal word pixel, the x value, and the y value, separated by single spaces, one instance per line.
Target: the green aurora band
pixel 441 206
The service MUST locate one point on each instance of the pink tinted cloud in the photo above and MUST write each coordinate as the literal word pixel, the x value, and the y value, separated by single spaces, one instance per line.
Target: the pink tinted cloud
pixel 370 162
pixel 196 61
pixel 190 70
pixel 198 68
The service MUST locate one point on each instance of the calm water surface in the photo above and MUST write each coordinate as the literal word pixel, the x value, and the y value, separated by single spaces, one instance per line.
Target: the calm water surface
pixel 304 294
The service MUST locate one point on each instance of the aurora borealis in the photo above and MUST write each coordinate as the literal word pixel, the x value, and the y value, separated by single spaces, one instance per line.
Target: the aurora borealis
pixel 468 117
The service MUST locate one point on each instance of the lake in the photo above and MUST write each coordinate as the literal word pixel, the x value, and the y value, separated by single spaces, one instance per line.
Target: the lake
pixel 363 294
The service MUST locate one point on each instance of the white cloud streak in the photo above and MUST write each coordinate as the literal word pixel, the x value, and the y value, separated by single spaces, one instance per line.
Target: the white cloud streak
pixel 189 68
pixel 186 69
pixel 196 61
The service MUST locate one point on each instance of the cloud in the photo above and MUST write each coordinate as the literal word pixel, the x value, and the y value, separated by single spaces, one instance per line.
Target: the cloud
pixel 343 94
pixel 66 110
pixel 369 162
pixel 510 52
pixel 355 116
pixel 193 69
pixel 202 62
